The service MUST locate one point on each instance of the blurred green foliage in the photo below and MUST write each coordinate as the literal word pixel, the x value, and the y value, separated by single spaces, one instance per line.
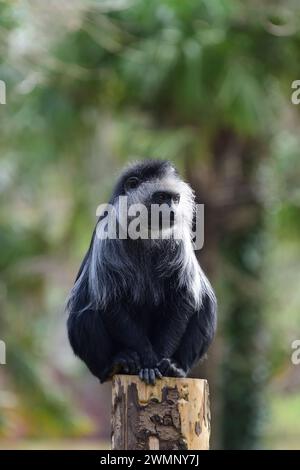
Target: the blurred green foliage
pixel 90 85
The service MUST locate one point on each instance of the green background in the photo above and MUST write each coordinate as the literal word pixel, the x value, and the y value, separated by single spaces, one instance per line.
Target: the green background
pixel 92 85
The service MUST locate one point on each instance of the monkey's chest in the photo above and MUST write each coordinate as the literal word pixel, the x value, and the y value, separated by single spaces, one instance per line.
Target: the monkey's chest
pixel 147 317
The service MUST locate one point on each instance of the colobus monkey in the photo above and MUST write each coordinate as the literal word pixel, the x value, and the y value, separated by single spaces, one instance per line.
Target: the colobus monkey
pixel 142 305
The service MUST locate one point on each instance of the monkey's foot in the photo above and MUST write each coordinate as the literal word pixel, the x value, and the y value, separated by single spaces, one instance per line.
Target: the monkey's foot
pixel 149 375
pixel 170 368
pixel 126 362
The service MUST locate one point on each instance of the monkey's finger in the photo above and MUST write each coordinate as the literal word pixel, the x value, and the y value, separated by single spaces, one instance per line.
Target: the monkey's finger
pixel 141 374
pixel 146 376
pixel 158 373
pixel 152 376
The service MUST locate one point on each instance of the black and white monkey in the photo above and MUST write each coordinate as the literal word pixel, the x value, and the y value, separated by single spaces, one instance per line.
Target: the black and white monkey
pixel 143 306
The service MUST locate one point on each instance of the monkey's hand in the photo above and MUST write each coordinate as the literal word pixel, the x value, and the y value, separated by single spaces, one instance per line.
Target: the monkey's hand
pixel 169 368
pixel 149 372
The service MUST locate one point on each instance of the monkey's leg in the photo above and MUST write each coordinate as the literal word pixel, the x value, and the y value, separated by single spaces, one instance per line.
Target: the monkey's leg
pixel 128 333
pixel 189 351
pixel 91 342
pixel 194 344
pixel 126 361
pixel 168 336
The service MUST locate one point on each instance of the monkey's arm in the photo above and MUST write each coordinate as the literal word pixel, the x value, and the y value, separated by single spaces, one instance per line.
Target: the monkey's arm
pixel 172 328
pixel 188 336
pixel 198 335
pixel 124 330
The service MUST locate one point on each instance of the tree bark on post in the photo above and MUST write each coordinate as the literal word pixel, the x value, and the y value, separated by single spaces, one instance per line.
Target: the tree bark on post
pixel 173 414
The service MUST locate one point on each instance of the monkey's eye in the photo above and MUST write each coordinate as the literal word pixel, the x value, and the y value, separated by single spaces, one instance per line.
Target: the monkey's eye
pixel 132 183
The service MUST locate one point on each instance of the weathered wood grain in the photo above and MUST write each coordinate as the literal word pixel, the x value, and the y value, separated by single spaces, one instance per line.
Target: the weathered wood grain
pixel 172 415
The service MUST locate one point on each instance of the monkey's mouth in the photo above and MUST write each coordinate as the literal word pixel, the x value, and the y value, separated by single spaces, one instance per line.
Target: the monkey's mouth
pixel 172 218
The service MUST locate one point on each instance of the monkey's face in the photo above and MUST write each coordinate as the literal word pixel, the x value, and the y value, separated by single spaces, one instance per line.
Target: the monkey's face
pixel 158 202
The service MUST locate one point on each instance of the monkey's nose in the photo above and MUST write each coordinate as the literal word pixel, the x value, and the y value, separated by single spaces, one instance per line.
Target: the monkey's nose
pixel 165 197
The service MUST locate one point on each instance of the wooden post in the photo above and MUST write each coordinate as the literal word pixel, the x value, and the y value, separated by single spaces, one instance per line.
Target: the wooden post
pixel 173 414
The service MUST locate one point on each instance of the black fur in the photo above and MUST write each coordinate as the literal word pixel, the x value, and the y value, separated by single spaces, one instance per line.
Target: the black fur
pixel 148 322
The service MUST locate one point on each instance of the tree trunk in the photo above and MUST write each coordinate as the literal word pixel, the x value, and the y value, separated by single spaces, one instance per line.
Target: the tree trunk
pixel 233 252
pixel 172 415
